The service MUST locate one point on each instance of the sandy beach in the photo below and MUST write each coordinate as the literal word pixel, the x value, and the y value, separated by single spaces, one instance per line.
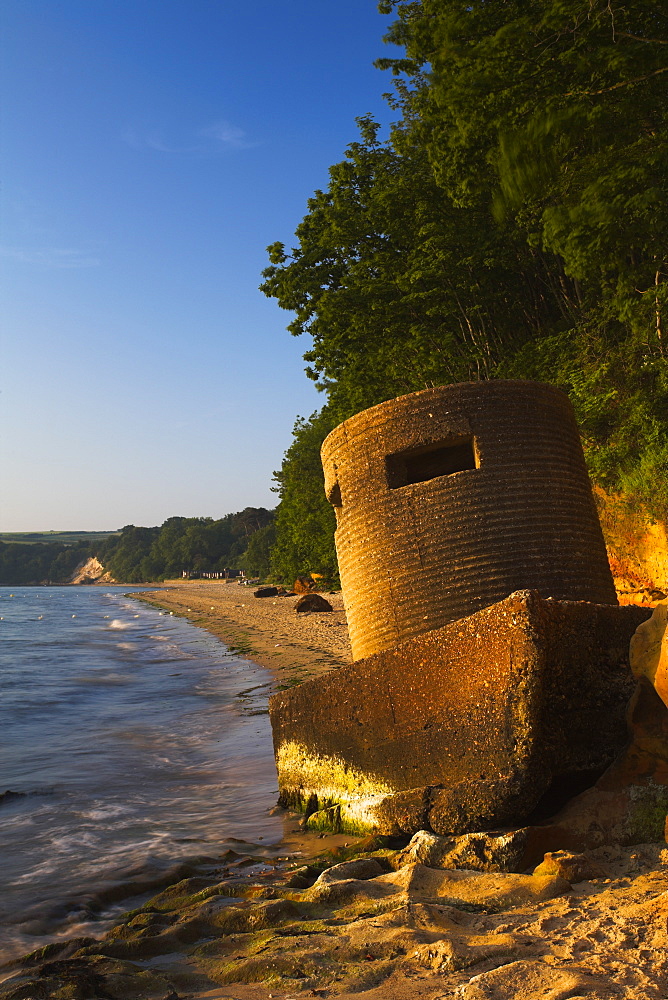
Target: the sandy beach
pixel 294 645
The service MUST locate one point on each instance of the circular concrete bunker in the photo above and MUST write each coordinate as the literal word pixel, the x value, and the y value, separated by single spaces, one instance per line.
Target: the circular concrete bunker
pixel 448 500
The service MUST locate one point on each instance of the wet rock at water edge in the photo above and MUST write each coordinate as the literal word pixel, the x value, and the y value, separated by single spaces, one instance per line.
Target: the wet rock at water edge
pixel 313 602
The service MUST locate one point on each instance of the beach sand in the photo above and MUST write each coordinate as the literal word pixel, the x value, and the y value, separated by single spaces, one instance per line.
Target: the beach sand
pixel 605 938
pixel 294 646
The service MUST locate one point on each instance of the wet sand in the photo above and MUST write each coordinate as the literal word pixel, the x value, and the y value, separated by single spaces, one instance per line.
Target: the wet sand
pixel 294 646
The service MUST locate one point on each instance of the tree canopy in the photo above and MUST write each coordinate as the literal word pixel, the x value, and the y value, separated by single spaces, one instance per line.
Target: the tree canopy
pixel 137 555
pixel 193 544
pixel 514 223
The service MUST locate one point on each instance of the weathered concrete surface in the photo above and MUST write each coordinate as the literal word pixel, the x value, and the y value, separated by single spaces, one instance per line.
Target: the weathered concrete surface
pixel 629 802
pixel 464 728
pixel 450 499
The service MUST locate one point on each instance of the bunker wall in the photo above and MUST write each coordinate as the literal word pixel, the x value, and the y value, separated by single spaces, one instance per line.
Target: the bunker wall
pixel 450 499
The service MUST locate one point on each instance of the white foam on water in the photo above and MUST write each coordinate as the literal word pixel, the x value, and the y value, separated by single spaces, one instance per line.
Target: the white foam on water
pixel 139 764
pixel 106 812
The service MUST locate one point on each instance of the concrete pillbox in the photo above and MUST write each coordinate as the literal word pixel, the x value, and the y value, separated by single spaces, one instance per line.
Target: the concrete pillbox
pixel 448 500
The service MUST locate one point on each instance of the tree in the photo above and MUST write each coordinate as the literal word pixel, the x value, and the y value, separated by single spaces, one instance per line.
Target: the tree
pixel 554 111
pixel 256 560
pixel 305 521
pixel 515 224
pixel 398 287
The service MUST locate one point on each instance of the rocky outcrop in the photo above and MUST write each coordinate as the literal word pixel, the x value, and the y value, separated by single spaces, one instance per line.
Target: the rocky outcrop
pixel 649 652
pixel 381 925
pixel 573 867
pixel 637 546
pixel 488 851
pixel 91 571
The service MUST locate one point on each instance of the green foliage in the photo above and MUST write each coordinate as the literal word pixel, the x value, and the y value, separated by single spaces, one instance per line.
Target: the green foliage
pixel 194 544
pixel 256 560
pixel 514 224
pixel 126 555
pixel 304 519
pixel 138 555
pixel 555 111
pixel 396 288
pixel 39 562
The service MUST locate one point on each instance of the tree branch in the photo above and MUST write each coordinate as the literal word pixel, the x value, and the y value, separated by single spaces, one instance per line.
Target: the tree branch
pixel 615 86
pixel 637 38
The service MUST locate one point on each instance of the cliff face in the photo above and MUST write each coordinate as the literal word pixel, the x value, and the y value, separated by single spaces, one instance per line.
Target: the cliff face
pixel 92 571
pixel 637 547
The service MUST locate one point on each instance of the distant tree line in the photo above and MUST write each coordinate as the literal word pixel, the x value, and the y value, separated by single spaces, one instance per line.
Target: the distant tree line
pixel 45 562
pixel 194 544
pixel 514 224
pixel 137 555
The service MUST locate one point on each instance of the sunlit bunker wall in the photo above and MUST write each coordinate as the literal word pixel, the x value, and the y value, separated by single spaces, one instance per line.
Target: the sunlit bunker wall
pixel 450 499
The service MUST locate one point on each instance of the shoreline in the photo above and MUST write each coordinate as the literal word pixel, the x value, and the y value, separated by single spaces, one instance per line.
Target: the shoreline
pixel 272 921
pixel 292 646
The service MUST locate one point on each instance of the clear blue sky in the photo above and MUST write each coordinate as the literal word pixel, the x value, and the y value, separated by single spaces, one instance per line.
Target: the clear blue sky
pixel 151 150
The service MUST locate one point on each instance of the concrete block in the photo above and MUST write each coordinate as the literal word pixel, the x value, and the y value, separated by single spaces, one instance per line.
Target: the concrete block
pixel 463 728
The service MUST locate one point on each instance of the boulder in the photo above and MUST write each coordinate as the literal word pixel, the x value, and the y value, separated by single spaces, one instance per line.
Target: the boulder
pixel 304 585
pixel 359 868
pixel 649 651
pixel 266 592
pixel 573 867
pixel 488 851
pixel 313 602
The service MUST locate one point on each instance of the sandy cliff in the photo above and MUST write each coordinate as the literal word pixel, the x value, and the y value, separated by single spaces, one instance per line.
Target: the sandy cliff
pixel 637 547
pixel 91 571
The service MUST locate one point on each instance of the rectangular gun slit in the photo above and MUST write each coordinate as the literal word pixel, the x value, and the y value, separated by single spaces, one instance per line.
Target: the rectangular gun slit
pixel 419 465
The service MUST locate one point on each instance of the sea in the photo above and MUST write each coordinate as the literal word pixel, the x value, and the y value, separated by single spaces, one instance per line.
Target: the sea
pixel 129 740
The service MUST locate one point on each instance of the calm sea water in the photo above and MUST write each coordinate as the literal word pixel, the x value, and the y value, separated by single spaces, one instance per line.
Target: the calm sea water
pixel 135 739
